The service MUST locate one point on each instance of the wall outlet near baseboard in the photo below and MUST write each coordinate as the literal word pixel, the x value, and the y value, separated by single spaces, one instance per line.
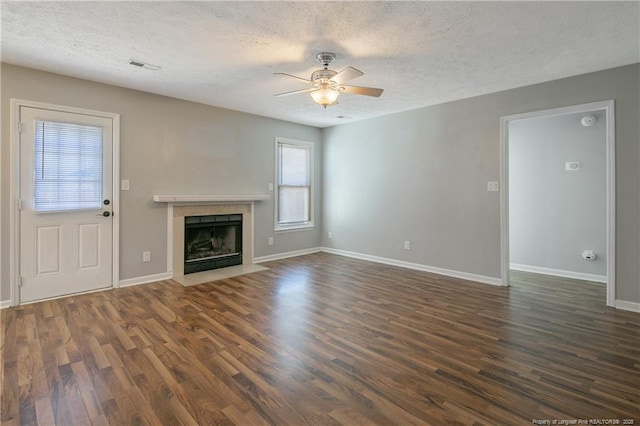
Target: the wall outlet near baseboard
pixel 407 245
pixel 270 241
pixel 146 256
pixel 330 234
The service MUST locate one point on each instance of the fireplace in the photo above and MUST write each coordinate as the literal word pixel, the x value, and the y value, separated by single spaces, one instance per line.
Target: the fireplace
pixel 181 207
pixel 212 242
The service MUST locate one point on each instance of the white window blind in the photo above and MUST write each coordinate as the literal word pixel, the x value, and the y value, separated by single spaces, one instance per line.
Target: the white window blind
pixel 67 167
pixel 294 184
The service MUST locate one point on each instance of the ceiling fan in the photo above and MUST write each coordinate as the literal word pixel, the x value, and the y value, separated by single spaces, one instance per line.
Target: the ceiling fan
pixel 326 85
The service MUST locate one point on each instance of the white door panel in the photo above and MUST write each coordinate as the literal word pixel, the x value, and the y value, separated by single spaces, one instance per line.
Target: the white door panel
pixel 48 256
pixel 89 245
pixel 65 247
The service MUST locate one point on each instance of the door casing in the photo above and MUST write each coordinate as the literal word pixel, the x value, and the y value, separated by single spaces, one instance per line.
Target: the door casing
pixel 14 176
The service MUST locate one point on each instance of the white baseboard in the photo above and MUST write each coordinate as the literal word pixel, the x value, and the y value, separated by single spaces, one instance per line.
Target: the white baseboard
pixel 559 273
pixel 286 255
pixel 628 306
pixel 168 275
pixel 145 280
pixel 417 266
pixel 5 304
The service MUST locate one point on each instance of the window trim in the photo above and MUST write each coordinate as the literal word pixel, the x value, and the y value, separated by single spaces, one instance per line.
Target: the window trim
pixel 298 226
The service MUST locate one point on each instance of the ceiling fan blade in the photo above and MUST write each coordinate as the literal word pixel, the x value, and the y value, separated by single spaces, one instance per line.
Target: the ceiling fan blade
pixel 294 76
pixel 359 90
pixel 295 91
pixel 349 73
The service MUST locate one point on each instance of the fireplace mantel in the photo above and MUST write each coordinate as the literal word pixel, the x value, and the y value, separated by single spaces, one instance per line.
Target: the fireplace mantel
pixel 199 199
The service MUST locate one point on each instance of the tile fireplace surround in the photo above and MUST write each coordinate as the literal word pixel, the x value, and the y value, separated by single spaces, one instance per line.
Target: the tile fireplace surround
pixel 181 206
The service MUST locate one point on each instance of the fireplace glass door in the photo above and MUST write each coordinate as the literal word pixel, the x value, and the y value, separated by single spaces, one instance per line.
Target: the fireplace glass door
pixel 212 242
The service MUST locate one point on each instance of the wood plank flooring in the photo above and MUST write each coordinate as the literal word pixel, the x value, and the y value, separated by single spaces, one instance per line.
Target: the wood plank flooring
pixel 323 340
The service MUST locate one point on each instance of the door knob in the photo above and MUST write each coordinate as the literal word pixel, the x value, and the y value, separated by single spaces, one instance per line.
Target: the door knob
pixel 105 214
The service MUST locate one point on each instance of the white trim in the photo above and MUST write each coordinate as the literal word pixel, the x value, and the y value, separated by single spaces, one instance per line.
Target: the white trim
pixel 1 219
pixel 170 239
pixel 417 266
pixel 286 255
pixel 559 273
pixel 14 216
pixel 609 110
pixel 253 232
pixel 311 223
pixel 145 279
pixel 628 306
pixel 115 195
pixel 199 199
pixel 504 202
pixel 611 201
pixel 293 228
pixel 5 304
pixel 14 183
pixel 67 295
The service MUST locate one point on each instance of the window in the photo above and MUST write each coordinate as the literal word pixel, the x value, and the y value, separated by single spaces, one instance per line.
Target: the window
pixel 67 167
pixel 294 168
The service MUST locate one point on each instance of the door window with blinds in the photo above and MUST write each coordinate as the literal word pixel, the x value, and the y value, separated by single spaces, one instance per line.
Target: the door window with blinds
pixel 67 167
pixel 294 165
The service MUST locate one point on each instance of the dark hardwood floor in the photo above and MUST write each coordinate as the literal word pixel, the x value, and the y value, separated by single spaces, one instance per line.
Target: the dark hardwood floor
pixel 323 339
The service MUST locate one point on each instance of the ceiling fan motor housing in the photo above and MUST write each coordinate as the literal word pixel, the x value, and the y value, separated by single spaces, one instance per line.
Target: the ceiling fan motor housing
pixel 325 58
pixel 322 74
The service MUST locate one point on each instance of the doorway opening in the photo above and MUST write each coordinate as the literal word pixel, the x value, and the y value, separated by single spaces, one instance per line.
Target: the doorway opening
pixel 558 193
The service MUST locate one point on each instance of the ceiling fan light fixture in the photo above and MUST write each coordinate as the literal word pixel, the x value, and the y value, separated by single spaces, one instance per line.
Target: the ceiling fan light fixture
pixel 325 96
pixel 325 85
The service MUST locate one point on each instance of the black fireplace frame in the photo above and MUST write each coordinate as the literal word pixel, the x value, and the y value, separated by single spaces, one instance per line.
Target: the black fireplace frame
pixel 213 221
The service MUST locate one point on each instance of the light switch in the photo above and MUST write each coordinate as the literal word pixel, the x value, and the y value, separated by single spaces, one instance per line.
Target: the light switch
pixel 124 185
pixel 572 166
pixel 493 186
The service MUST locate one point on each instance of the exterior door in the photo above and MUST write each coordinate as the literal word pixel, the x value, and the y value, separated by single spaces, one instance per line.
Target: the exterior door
pixel 66 188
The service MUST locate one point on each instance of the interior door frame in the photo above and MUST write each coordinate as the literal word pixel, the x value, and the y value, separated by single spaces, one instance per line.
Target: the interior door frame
pixel 608 108
pixel 14 182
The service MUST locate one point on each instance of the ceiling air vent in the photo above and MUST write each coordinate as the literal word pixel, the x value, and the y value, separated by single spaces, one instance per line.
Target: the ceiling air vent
pixel 137 63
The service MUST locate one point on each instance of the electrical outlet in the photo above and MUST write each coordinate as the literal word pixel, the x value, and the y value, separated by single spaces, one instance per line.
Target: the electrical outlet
pixel 124 185
pixel 407 245
pixel 492 186
pixel 270 241
pixel 270 187
pixel 146 256
pixel 330 234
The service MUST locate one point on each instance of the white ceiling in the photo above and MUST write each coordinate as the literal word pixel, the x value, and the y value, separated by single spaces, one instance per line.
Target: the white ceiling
pixel 225 53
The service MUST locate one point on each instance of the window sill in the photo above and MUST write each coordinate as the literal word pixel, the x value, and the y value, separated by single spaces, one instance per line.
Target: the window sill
pixel 305 227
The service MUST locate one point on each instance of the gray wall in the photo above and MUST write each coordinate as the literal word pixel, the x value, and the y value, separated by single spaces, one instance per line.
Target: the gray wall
pixel 421 175
pixel 555 214
pixel 418 175
pixel 167 146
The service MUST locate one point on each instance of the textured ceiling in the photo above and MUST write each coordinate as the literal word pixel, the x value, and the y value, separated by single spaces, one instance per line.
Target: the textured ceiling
pixel 225 53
